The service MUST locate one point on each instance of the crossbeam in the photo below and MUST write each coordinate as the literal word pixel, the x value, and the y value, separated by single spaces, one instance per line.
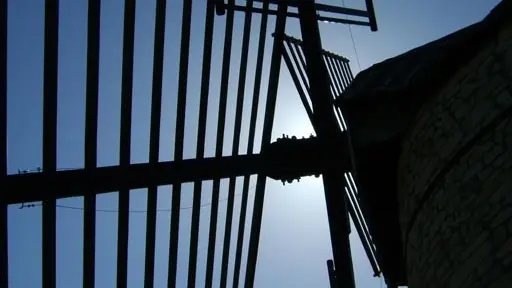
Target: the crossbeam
pixel 326 8
pixel 281 160
pixel 81 182
pixel 296 15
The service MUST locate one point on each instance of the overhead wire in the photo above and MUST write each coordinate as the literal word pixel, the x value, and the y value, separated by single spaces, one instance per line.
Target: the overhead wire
pixel 355 48
pixel 353 42
pixel 23 205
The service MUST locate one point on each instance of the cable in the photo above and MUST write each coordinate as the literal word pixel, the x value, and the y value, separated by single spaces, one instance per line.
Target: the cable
pixel 355 49
pixel 23 205
pixel 353 42
pixel 39 170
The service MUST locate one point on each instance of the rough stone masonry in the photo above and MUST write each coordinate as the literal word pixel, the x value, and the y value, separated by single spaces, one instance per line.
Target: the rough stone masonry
pixel 455 177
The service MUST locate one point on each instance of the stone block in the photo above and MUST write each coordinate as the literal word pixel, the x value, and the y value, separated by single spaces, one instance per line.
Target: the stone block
pixel 466 221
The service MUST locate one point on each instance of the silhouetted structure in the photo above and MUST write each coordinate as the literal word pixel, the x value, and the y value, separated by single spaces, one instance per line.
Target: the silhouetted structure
pixel 428 143
pixel 277 160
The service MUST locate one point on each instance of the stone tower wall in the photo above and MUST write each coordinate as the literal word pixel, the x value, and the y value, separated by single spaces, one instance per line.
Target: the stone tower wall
pixel 455 178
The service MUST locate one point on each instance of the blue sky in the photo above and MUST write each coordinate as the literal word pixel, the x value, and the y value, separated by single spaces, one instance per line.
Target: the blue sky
pixel 294 242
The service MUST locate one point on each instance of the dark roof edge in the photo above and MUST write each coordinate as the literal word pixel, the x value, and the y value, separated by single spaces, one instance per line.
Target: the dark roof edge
pixel 376 76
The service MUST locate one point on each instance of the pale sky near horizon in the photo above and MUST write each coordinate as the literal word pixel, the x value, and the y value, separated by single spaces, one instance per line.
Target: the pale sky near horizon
pixel 294 243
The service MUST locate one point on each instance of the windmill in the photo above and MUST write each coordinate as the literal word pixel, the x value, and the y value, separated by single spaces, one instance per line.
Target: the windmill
pixel 320 76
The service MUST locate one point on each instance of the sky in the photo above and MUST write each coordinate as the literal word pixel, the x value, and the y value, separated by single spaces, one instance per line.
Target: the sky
pixel 294 243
